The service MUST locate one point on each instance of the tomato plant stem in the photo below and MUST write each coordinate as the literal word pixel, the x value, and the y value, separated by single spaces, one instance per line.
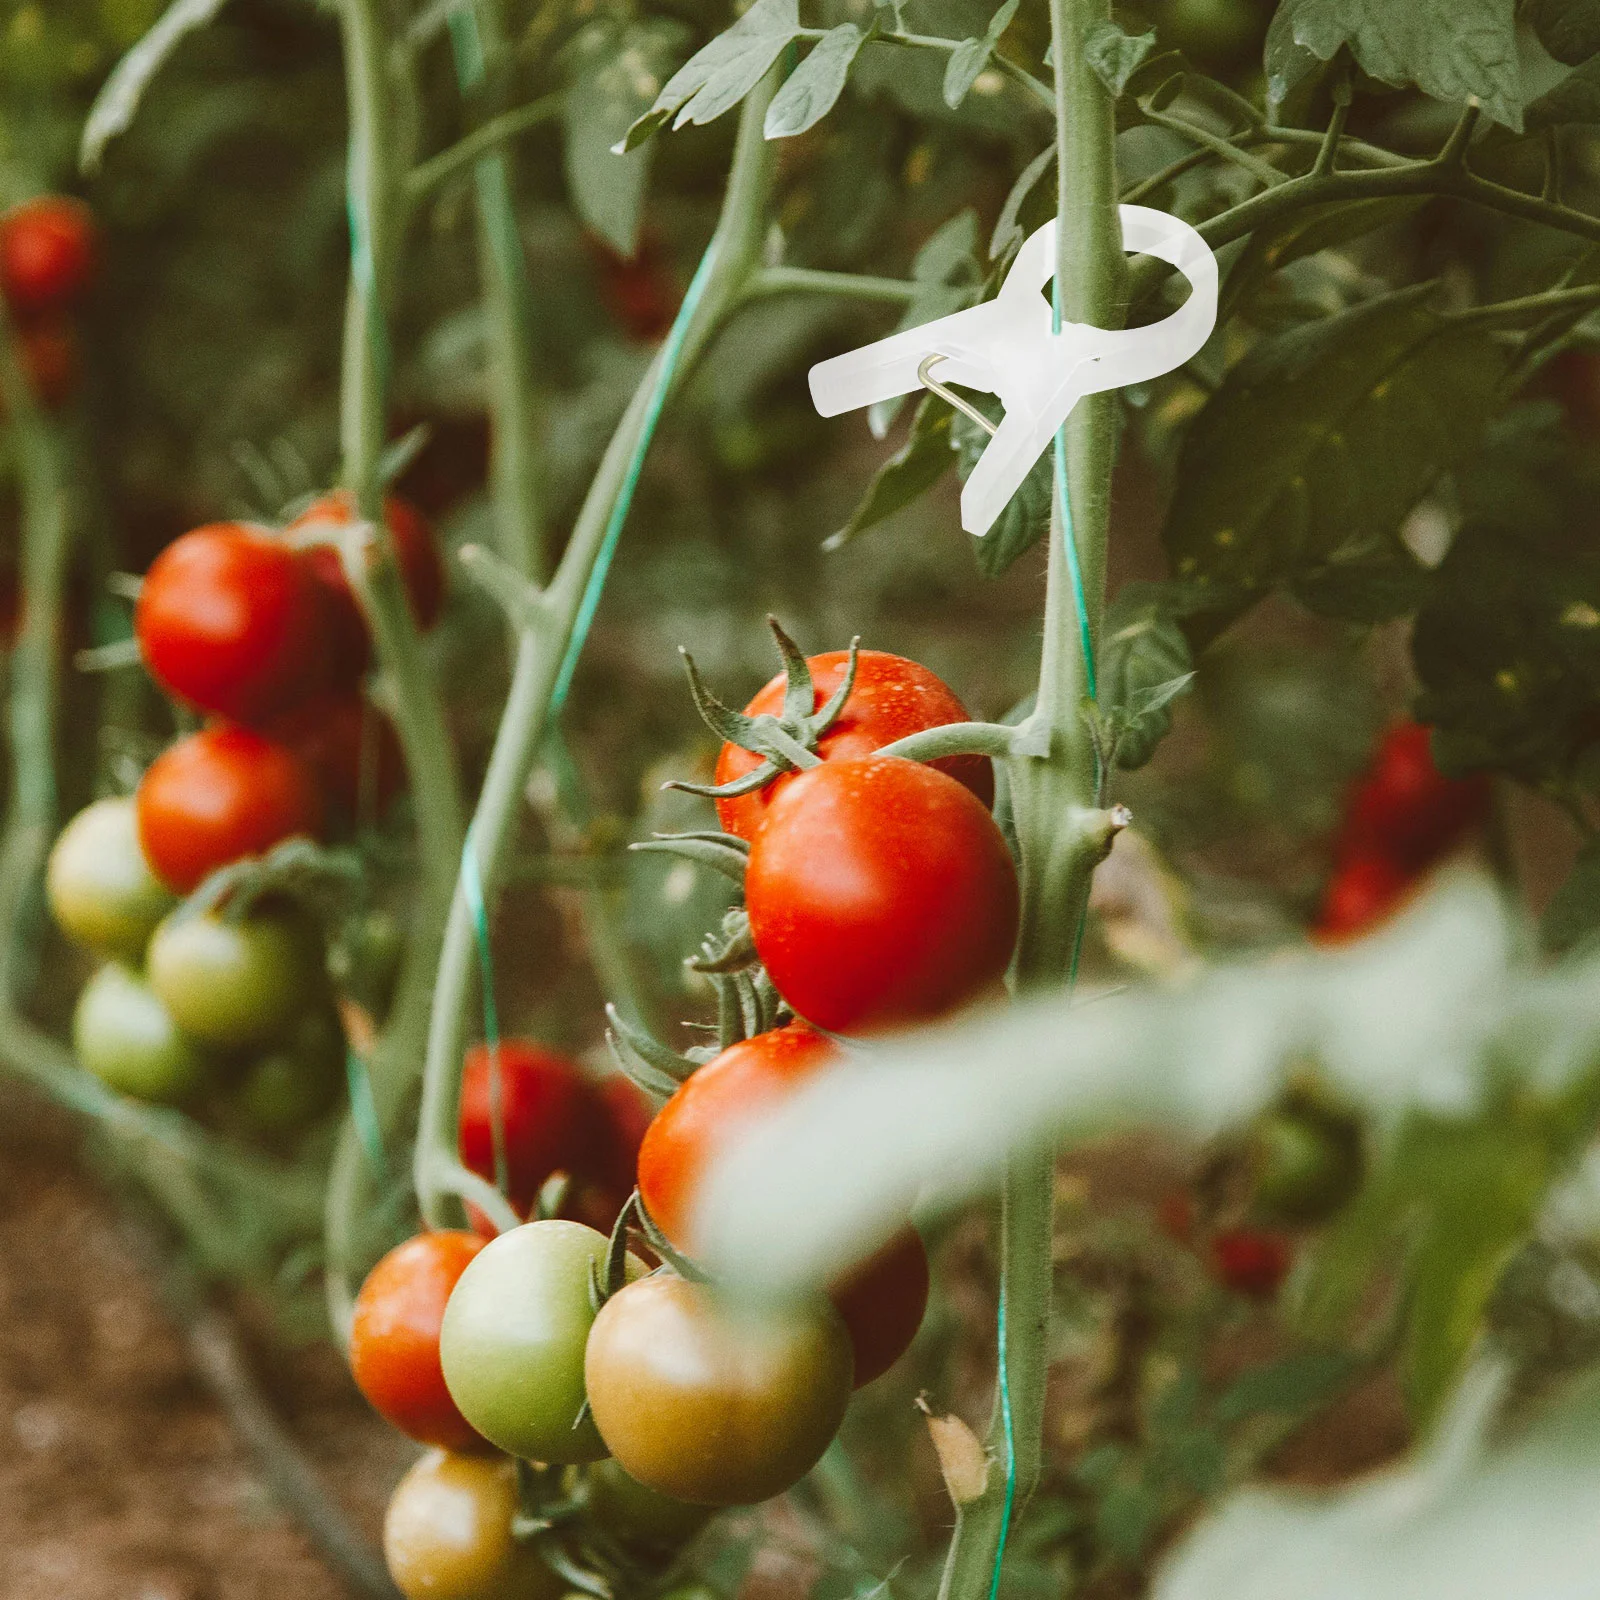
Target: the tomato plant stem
pixel 545 623
pixel 1054 791
pixel 477 33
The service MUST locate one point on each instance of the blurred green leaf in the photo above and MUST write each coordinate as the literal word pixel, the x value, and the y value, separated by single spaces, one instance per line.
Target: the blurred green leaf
pixel 1026 518
pixel 1144 664
pixel 1455 50
pixel 1575 99
pixel 119 96
pixel 1296 1384
pixel 1568 29
pixel 1323 438
pixel 908 474
pixel 612 76
pixel 809 92
pixel 1573 914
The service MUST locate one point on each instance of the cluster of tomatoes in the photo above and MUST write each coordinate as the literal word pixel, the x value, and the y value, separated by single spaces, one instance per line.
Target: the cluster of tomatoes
pixel 1402 817
pixel 216 1007
pixel 47 257
pixel 878 893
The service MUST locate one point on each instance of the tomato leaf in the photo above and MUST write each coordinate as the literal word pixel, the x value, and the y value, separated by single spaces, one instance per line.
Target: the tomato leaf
pixel 118 100
pixel 1115 55
pixel 1568 29
pixel 971 56
pixel 1294 1385
pixel 720 74
pixel 1575 99
pixel 811 89
pixel 908 474
pixel 1144 664
pixel 1573 914
pixel 1026 517
pixel 612 75
pixel 1266 487
pixel 1454 50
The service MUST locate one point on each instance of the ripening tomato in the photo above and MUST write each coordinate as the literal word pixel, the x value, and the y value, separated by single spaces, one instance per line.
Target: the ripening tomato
pixel 394 1337
pixel 640 293
pixel 709 1110
pixel 882 1300
pixel 127 1038
pixel 416 552
pixel 448 1535
pixel 232 621
pixel 1214 33
pixel 350 745
pixel 512 1341
pixel 100 887
pixel 294 1081
pixel 1251 1261
pixel 882 1303
pixel 47 251
pixel 234 984
pixel 1405 808
pixel 891 697
pixel 551 1117
pixel 219 795
pixel 626 1114
pixel 710 1401
pixel 1362 891
pixel 880 892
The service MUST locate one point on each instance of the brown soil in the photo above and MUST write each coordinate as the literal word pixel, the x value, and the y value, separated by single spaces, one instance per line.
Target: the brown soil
pixel 120 1478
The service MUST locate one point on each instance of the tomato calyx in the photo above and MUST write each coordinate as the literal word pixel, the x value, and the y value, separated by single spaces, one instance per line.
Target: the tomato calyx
pixel 633 1220
pixel 299 869
pixel 646 1062
pixel 787 742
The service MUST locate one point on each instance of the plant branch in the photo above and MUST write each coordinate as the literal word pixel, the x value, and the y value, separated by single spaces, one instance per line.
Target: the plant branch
pixel 430 175
pixel 1228 149
pixel 851 285
pixel 543 640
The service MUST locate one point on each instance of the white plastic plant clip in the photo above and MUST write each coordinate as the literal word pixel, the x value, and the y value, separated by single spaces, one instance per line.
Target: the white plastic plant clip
pixel 1006 346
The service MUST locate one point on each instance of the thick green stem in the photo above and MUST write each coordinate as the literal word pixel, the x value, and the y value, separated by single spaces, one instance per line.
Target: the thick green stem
pixel 507 301
pixel 543 636
pixel 35 661
pixel 1061 836
pixel 848 285
pixel 416 707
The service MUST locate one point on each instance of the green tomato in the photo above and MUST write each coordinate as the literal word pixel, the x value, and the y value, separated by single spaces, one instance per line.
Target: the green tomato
pixel 127 1038
pixel 293 1083
pixel 513 1338
pixel 233 984
pixel 1212 32
pixel 101 889
pixel 1306 1163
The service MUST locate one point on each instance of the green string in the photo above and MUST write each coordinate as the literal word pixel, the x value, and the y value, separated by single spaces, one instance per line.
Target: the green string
pixel 1069 535
pixel 472 893
pixel 364 1112
pixel 666 370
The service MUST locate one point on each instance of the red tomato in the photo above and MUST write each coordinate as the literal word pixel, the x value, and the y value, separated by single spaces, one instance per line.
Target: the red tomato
pixel 882 1303
pixel 231 621
pixel 891 697
pixel 50 360
pixel 394 1337
pixel 641 293
pixel 344 739
pixel 551 1117
pixel 880 892
pixel 420 570
pixel 1175 1216
pixel 748 1079
pixel 627 1117
pixel 1251 1261
pixel 883 1299
pixel 1362 891
pixel 218 795
pixel 47 251
pixel 1406 808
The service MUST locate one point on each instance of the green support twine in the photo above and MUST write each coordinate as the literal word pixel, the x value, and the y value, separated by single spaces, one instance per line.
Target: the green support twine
pixel 1080 601
pixel 472 892
pixel 666 370
pixel 364 1113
